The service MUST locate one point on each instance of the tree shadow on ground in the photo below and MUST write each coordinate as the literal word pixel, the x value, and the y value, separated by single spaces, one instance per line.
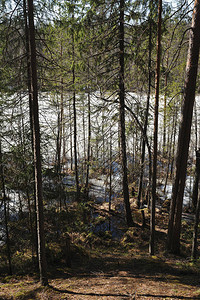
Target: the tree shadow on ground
pixel 119 295
pixel 90 294
pixel 167 296
pixel 110 266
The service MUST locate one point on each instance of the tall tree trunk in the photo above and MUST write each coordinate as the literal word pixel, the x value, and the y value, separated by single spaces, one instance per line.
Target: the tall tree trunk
pixel 196 126
pixel 196 180
pixel 89 133
pixel 75 141
pixel 88 145
pixel 147 108
pixel 175 123
pixel 122 117
pixel 170 154
pixel 155 143
pixel 61 113
pixel 59 160
pixel 33 244
pixel 70 136
pixel 195 232
pixel 33 93
pixel 83 156
pixel 75 115
pixel 5 213
pixel 60 135
pixel 110 179
pixel 22 142
pixel 58 146
pixel 174 227
pixel 165 107
pixel 30 116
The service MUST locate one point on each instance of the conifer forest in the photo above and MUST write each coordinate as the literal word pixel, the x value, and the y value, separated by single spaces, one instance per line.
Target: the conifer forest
pixel 99 149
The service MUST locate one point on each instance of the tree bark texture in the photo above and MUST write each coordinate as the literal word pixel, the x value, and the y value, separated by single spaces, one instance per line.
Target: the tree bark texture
pixel 174 227
pixel 30 115
pixel 5 213
pixel 155 140
pixel 75 117
pixel 147 109
pixel 195 232
pixel 196 180
pixel 122 117
pixel 33 94
pixel 88 146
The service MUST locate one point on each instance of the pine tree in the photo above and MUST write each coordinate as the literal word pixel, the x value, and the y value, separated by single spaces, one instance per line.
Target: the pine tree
pixel 33 93
pixel 174 227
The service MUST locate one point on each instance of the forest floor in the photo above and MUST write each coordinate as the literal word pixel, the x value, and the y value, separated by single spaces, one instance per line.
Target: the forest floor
pixel 117 268
pixel 111 277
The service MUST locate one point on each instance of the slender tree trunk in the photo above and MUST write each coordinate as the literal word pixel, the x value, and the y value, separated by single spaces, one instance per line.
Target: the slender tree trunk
pixel 155 144
pixel 61 114
pixel 75 141
pixel 89 134
pixel 174 227
pixel 58 148
pixel 122 117
pixel 174 142
pixel 195 232
pixel 33 92
pixel 147 108
pixel 196 180
pixel 33 250
pixel 60 130
pixel 5 213
pixel 83 157
pixel 169 156
pixel 165 108
pixel 196 125
pixel 22 138
pixel 75 116
pixel 70 137
pixel 110 179
pixel 58 161
pixel 88 145
pixel 59 141
pixel 30 114
pixel 103 148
